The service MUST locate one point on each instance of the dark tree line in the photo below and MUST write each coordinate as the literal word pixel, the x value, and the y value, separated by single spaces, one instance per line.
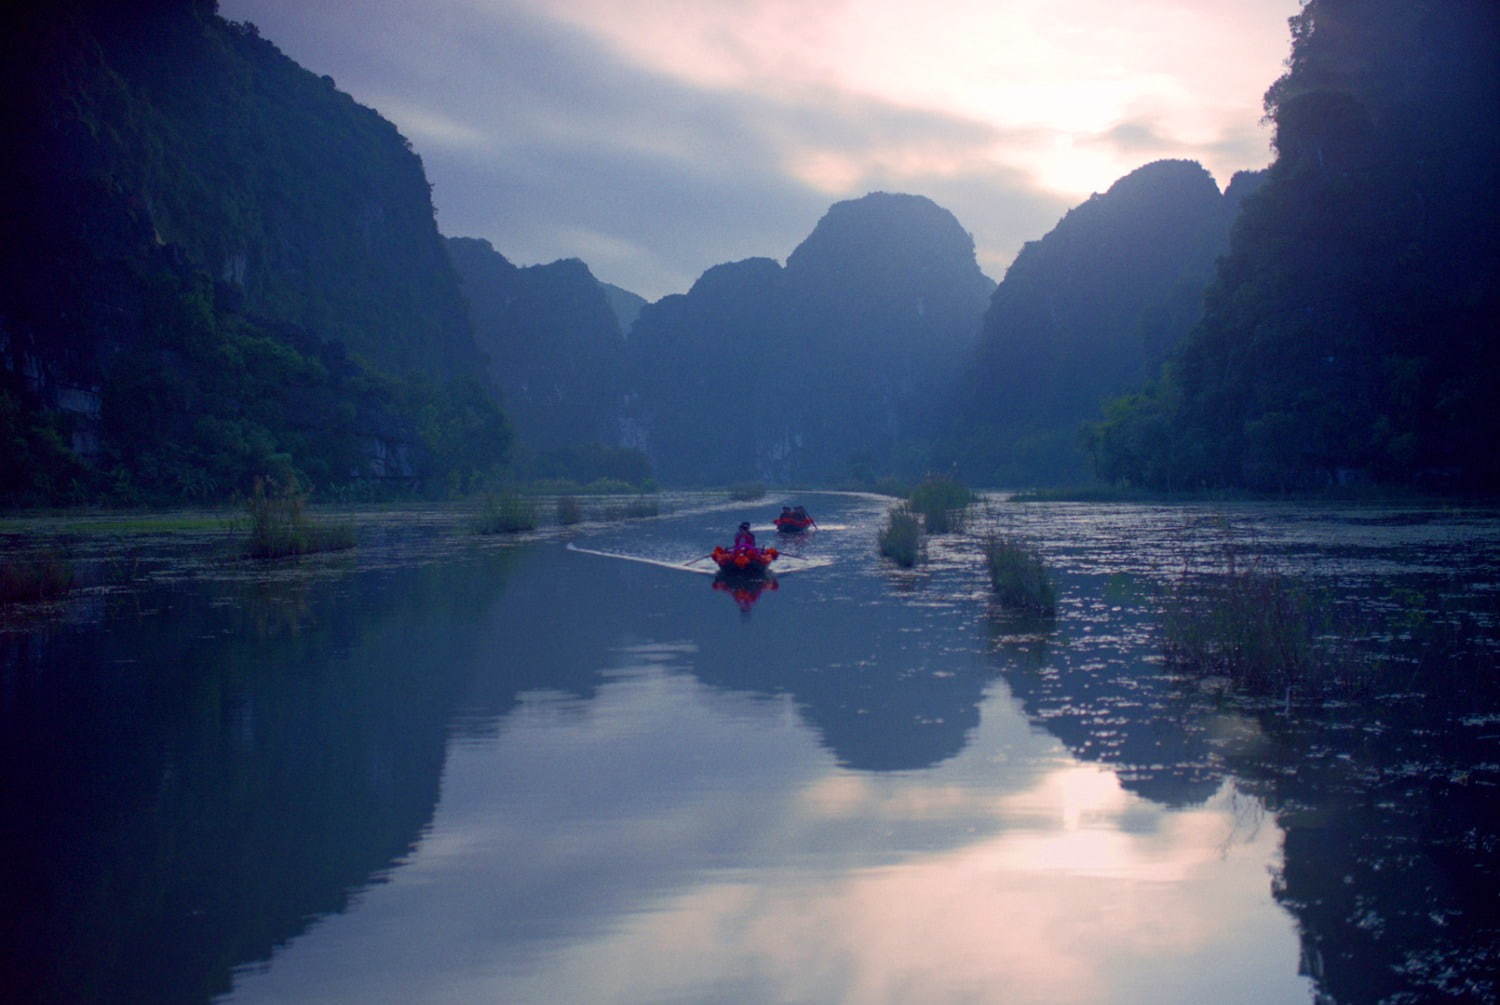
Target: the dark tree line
pixel 216 267
pixel 1351 332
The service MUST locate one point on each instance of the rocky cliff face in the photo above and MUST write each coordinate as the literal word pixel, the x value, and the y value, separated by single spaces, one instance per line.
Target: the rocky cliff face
pixel 761 371
pixel 554 344
pixel 1089 311
pixel 177 195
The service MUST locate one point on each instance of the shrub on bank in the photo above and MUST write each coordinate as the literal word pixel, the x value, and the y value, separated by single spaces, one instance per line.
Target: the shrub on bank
pixel 279 526
pixel 506 513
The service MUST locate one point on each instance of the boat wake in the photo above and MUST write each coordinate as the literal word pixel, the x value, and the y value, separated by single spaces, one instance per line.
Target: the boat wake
pixel 705 565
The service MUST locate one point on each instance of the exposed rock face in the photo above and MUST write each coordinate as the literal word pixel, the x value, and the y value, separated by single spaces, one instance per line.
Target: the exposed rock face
pixel 1090 311
pixel 554 343
pixel 195 222
pixel 767 372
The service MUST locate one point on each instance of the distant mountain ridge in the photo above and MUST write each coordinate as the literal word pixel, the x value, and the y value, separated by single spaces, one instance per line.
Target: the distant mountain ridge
pixel 1089 311
pixel 554 341
pixel 771 372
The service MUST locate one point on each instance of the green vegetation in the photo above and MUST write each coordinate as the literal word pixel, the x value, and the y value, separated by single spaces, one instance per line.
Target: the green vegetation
pixel 279 525
pixel 747 491
pixel 942 502
pixel 1089 311
pixel 568 511
pixel 1019 576
pixel 901 540
pixel 1249 623
pixel 1348 337
pixel 505 513
pixel 32 578
pixel 220 268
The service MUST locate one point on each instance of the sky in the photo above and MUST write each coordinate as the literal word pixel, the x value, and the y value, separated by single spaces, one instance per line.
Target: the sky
pixel 656 138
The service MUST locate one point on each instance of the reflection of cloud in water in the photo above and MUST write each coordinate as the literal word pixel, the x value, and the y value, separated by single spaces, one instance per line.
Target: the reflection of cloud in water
pixel 667 840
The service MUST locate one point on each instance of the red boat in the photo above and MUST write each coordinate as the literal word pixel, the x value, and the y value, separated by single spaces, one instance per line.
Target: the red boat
pixel 743 561
pixel 794 523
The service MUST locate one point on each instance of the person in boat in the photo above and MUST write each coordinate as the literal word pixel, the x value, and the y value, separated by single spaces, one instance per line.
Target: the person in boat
pixel 787 514
pixel 743 539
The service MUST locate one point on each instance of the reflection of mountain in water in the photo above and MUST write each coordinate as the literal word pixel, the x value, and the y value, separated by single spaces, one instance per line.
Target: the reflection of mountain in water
pixel 1108 704
pixel 888 686
pixel 1390 862
pixel 188 788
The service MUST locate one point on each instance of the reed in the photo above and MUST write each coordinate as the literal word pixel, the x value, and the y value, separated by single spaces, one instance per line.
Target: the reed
pixel 942 503
pixel 505 513
pixel 279 526
pixel 901 540
pixel 29 579
pixel 1250 623
pixel 1019 576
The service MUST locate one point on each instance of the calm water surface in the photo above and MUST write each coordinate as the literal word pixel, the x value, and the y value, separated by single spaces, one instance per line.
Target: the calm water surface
pixel 448 769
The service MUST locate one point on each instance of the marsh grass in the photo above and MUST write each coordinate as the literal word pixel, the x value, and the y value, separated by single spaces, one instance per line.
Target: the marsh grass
pixel 1019 576
pixel 943 504
pixel 901 540
pixel 279 526
pixel 505 513
pixel 568 511
pixel 29 579
pixel 746 491
pixel 1250 623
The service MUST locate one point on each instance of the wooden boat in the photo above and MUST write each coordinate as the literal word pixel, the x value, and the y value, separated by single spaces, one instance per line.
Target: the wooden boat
pixel 743 561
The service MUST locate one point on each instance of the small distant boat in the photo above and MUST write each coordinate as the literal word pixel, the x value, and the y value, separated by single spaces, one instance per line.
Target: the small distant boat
pixel 743 561
pixel 794 523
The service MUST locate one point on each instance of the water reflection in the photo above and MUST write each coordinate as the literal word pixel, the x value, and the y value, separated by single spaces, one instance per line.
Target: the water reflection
pixel 745 592
pixel 1383 793
pixel 752 868
pixel 189 784
pixel 534 774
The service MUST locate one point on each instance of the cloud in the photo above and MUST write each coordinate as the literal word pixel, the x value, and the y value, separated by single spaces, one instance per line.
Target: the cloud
pixel 674 137
pixel 753 868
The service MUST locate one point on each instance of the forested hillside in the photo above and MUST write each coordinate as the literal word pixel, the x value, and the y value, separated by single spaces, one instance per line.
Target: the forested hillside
pixel 826 368
pixel 1089 311
pixel 1351 333
pixel 217 266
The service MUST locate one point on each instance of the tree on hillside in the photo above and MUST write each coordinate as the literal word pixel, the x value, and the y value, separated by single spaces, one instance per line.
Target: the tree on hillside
pixel 1351 332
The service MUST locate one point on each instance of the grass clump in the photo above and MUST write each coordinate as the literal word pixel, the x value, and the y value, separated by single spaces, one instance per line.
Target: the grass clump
pixel 901 540
pixel 1018 575
pixel 279 525
pixel 746 491
pixel 505 513
pixel 942 503
pixel 32 579
pixel 568 511
pixel 1252 624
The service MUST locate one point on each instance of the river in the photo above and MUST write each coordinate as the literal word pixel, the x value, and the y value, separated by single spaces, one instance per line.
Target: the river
pixel 446 767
